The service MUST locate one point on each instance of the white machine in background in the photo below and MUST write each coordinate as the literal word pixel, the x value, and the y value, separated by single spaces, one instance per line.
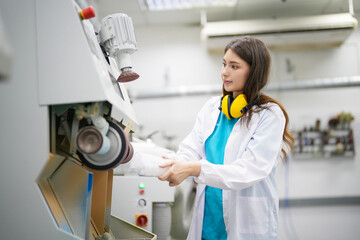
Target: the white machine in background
pixel 90 116
pixel 142 199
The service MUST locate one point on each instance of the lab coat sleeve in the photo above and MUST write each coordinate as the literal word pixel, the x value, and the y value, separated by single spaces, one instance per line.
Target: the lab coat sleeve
pixel 260 156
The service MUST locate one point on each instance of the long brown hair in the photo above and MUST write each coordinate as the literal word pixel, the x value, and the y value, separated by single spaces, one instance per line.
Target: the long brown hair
pixel 256 54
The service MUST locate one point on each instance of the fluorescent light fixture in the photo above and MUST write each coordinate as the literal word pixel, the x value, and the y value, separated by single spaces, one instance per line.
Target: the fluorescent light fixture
pixel 159 5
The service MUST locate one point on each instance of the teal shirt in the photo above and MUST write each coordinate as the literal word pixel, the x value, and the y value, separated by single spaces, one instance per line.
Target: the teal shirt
pixel 213 223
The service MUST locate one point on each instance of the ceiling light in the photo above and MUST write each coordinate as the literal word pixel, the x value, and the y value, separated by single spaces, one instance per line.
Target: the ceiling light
pixel 159 5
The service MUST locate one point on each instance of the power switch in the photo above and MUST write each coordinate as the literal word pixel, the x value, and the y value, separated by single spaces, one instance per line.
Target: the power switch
pixel 87 13
pixel 141 220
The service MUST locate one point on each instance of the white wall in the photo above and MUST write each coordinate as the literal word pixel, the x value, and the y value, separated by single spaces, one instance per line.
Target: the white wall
pixel 320 223
pixel 174 56
pixel 171 57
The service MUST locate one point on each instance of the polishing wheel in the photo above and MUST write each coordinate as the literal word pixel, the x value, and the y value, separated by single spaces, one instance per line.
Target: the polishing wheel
pixel 129 155
pixel 127 75
pixel 89 140
pixel 120 151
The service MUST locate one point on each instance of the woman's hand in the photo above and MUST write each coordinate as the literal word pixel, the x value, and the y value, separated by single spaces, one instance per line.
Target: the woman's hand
pixel 178 171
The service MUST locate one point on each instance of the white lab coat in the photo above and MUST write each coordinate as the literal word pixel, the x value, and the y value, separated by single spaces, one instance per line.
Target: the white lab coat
pixel 250 200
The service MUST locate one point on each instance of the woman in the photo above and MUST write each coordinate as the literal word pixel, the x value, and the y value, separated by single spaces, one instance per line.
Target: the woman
pixel 232 157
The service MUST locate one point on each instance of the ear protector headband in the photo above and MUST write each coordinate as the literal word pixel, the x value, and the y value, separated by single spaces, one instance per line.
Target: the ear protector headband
pixel 235 108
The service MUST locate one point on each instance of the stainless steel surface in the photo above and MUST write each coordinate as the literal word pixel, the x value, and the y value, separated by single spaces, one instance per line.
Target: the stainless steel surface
pixel 67 188
pixel 72 186
pixel 53 163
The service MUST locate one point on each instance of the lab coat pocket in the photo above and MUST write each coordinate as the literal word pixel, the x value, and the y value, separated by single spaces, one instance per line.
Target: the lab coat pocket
pixel 252 215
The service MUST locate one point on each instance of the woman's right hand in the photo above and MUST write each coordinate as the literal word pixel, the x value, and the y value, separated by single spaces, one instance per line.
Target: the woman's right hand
pixel 178 171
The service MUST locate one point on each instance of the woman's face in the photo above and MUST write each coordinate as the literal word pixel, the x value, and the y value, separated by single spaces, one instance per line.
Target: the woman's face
pixel 234 73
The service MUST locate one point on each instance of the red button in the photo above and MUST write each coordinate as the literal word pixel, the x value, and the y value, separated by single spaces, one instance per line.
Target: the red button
pixel 141 220
pixel 142 191
pixel 87 13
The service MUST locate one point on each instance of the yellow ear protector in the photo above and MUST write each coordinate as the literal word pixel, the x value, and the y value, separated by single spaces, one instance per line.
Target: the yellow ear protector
pixel 235 108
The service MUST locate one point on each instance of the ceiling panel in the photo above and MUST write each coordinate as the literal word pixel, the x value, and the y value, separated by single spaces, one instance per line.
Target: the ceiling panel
pixel 244 9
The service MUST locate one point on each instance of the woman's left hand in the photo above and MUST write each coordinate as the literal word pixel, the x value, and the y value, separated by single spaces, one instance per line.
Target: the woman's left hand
pixel 178 171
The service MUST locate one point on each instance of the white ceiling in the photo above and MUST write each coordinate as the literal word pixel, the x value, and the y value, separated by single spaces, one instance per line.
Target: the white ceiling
pixel 244 9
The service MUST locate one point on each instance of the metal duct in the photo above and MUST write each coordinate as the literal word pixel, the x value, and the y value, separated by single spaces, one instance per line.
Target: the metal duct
pixel 161 220
pixel 216 89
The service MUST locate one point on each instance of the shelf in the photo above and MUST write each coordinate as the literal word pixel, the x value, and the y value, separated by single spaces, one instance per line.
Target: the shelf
pixel 330 143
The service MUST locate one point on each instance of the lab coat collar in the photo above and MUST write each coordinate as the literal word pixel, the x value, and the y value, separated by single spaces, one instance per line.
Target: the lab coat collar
pixel 214 115
pixel 215 110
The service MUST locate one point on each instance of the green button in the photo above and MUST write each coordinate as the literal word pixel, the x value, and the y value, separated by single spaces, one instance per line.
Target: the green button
pixel 142 185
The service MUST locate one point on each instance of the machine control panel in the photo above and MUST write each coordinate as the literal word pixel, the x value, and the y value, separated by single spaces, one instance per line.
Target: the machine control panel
pixel 137 205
